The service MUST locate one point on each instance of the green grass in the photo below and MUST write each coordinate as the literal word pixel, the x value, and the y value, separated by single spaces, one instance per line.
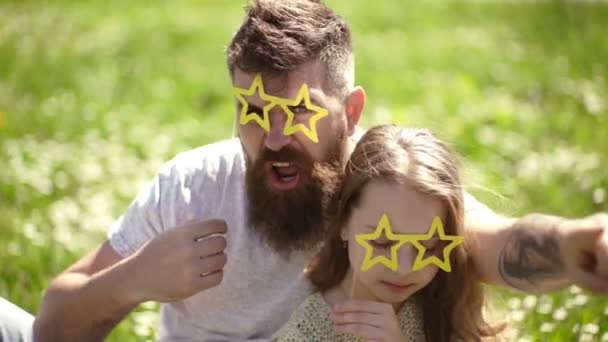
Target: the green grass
pixel 95 95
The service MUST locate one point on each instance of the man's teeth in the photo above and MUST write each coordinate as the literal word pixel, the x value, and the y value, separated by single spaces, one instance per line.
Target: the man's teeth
pixel 281 164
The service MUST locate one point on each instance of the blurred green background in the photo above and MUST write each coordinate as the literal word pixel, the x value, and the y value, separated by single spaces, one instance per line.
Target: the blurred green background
pixel 96 95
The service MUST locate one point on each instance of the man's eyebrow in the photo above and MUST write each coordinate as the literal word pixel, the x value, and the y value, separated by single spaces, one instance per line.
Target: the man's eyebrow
pixel 314 100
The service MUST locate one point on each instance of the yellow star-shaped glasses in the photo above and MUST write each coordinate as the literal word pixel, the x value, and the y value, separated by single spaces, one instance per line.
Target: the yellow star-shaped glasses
pixel 444 264
pixel 401 239
pixel 245 117
pixel 285 104
pixel 311 130
pixel 363 240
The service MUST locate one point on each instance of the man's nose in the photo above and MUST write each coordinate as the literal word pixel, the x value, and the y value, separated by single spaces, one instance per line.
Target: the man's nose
pixel 275 139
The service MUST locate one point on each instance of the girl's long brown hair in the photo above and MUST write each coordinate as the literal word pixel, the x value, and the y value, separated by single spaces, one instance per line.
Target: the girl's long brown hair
pixel 452 302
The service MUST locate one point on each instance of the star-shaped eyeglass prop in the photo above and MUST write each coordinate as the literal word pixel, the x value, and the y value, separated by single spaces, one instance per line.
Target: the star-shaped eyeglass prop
pixel 319 113
pixel 444 264
pixel 290 128
pixel 401 239
pixel 245 117
pixel 384 225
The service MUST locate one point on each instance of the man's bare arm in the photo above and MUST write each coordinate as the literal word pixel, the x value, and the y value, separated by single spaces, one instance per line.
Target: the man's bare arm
pixel 520 253
pixel 88 299
pixel 531 258
pixel 538 253
pixel 91 297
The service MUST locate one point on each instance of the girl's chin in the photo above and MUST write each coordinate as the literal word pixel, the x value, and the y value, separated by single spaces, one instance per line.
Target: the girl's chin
pixel 380 291
pixel 387 294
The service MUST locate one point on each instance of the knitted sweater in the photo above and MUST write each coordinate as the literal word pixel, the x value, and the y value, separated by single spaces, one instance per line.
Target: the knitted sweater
pixel 311 321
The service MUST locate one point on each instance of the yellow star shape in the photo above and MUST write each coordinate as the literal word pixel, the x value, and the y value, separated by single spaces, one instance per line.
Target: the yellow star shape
pixel 363 239
pixel 444 264
pixel 311 130
pixel 264 121
pixel 245 117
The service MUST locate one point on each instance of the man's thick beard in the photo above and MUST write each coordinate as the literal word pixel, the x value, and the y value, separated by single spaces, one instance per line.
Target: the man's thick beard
pixel 294 220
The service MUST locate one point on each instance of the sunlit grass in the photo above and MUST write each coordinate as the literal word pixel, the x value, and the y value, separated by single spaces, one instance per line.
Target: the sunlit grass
pixel 95 96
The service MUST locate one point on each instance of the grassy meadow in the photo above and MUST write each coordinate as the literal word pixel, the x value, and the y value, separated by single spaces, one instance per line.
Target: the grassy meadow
pixel 96 95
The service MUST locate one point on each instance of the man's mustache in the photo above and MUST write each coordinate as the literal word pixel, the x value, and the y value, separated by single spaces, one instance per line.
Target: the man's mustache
pixel 286 154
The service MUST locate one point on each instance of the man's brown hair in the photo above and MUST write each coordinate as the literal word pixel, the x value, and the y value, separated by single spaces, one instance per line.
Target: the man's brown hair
pixel 278 36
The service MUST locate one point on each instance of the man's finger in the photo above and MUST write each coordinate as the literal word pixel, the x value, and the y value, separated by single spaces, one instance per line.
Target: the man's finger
pixel 200 229
pixel 213 263
pixel 212 279
pixel 211 245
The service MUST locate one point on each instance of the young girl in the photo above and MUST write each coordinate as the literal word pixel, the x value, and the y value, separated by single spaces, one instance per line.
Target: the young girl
pixel 410 177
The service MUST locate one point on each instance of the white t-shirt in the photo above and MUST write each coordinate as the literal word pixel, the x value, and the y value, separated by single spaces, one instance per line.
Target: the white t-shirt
pixel 260 289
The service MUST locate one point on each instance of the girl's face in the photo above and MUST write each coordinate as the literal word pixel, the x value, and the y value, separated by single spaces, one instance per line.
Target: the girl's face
pixel 409 212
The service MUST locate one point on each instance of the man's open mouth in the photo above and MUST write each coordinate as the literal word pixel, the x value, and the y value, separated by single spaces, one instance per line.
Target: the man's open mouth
pixel 283 175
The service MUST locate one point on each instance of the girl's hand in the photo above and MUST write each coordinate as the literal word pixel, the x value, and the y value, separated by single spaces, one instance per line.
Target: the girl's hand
pixel 373 320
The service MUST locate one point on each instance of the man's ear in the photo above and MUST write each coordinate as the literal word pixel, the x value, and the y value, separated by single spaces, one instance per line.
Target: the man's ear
pixel 354 108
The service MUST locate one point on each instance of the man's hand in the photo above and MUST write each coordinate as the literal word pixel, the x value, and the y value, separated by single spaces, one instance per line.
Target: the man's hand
pixel 179 263
pixel 373 320
pixel 584 249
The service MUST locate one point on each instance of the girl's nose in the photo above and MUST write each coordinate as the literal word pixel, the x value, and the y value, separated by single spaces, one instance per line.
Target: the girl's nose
pixel 405 257
pixel 275 139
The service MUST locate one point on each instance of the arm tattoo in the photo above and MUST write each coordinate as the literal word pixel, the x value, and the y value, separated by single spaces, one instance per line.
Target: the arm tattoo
pixel 530 259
